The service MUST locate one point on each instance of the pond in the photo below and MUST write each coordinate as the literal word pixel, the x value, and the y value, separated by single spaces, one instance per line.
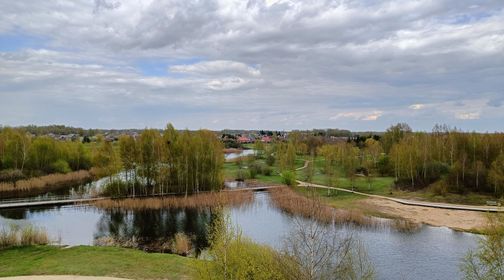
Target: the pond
pixel 241 153
pixel 430 253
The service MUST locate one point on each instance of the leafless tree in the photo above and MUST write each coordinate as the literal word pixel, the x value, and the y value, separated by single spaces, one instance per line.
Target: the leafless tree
pixel 316 251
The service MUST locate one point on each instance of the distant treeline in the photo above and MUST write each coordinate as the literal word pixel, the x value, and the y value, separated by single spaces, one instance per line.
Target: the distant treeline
pixel 65 130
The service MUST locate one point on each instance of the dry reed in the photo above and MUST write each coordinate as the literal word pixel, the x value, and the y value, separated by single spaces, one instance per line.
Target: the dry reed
pixel 403 225
pixel 202 200
pixel 181 244
pixel 51 180
pixel 294 203
pixel 16 236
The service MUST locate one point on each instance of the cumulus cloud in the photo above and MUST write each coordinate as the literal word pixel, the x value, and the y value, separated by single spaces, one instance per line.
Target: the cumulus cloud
pixel 292 63
pixel 217 67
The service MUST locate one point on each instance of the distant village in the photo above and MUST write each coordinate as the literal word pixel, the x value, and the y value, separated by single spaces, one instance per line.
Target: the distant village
pixel 230 138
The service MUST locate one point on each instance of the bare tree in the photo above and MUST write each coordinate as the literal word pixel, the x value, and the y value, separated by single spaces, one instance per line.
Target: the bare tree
pixel 315 251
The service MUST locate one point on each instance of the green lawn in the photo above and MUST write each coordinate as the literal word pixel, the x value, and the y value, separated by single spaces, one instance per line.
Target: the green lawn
pixel 94 261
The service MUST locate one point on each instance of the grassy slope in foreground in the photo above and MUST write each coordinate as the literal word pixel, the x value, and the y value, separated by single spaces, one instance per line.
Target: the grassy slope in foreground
pixel 94 261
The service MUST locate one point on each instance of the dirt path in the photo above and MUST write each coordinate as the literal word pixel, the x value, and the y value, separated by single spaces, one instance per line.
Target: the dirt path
pixel 456 219
pixel 61 277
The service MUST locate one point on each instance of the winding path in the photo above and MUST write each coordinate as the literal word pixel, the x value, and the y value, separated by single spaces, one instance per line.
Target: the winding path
pixel 405 201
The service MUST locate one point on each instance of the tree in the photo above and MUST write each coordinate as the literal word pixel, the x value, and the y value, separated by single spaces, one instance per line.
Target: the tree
pixel 496 175
pixel 105 160
pixel 128 152
pixel 488 262
pixel 148 158
pixel 314 250
pixel 394 134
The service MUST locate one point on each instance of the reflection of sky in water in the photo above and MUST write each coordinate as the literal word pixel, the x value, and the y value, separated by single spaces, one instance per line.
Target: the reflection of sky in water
pixel 431 253
pixel 240 154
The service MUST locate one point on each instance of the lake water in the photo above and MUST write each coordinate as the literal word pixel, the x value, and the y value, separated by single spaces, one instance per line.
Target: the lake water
pixel 242 153
pixel 430 253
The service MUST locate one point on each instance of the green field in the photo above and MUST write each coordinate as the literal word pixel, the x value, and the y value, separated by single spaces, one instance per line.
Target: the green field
pixel 94 261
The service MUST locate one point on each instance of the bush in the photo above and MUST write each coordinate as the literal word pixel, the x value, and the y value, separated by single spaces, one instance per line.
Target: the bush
pixel 60 166
pixel 254 169
pixel 241 175
pixel 289 178
pixel 116 188
pixel 270 159
pixel 266 170
pixel 236 257
pixel 439 188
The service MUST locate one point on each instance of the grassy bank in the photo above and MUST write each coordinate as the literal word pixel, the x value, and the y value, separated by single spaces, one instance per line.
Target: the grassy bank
pixel 94 261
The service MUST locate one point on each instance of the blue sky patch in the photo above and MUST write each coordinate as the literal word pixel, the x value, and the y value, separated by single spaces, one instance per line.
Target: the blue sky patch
pixel 10 42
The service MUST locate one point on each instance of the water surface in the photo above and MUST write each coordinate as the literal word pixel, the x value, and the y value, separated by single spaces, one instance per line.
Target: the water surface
pixel 430 253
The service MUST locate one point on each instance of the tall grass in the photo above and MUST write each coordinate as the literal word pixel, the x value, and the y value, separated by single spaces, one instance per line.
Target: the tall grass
pixel 203 200
pixel 294 203
pixel 181 244
pixel 22 236
pixel 51 180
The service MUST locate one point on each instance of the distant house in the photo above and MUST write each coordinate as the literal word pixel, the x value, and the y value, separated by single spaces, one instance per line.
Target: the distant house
pixel 266 139
pixel 243 140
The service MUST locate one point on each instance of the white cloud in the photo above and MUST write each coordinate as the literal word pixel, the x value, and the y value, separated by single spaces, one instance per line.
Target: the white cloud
pixel 417 106
pixel 370 60
pixel 362 116
pixel 217 67
pixel 467 116
pixel 226 83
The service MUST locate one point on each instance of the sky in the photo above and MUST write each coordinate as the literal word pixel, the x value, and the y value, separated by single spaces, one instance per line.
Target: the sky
pixel 256 64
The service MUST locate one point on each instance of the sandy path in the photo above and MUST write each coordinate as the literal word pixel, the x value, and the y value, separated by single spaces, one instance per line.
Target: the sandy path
pixel 456 219
pixel 61 277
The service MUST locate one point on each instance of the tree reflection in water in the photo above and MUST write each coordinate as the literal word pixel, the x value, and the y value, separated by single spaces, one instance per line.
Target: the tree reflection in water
pixel 150 229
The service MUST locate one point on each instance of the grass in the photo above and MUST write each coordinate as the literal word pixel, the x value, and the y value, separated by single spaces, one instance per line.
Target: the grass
pixel 94 261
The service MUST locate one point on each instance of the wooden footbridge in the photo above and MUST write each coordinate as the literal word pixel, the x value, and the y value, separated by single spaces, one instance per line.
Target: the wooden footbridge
pixel 24 203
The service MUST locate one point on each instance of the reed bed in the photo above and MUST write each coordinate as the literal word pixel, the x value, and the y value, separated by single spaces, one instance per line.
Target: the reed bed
pixel 202 200
pixel 22 236
pixel 294 203
pixel 406 226
pixel 47 181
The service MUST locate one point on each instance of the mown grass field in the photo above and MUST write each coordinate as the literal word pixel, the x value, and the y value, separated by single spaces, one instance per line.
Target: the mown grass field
pixel 94 261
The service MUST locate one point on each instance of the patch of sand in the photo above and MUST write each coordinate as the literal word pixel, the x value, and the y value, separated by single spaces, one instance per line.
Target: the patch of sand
pixel 455 219
pixel 61 277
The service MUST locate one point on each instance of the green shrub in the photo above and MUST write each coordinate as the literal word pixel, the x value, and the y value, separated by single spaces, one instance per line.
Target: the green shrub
pixel 116 188
pixel 289 178
pixel 236 257
pixel 270 159
pixel 60 166
pixel 241 175
pixel 266 170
